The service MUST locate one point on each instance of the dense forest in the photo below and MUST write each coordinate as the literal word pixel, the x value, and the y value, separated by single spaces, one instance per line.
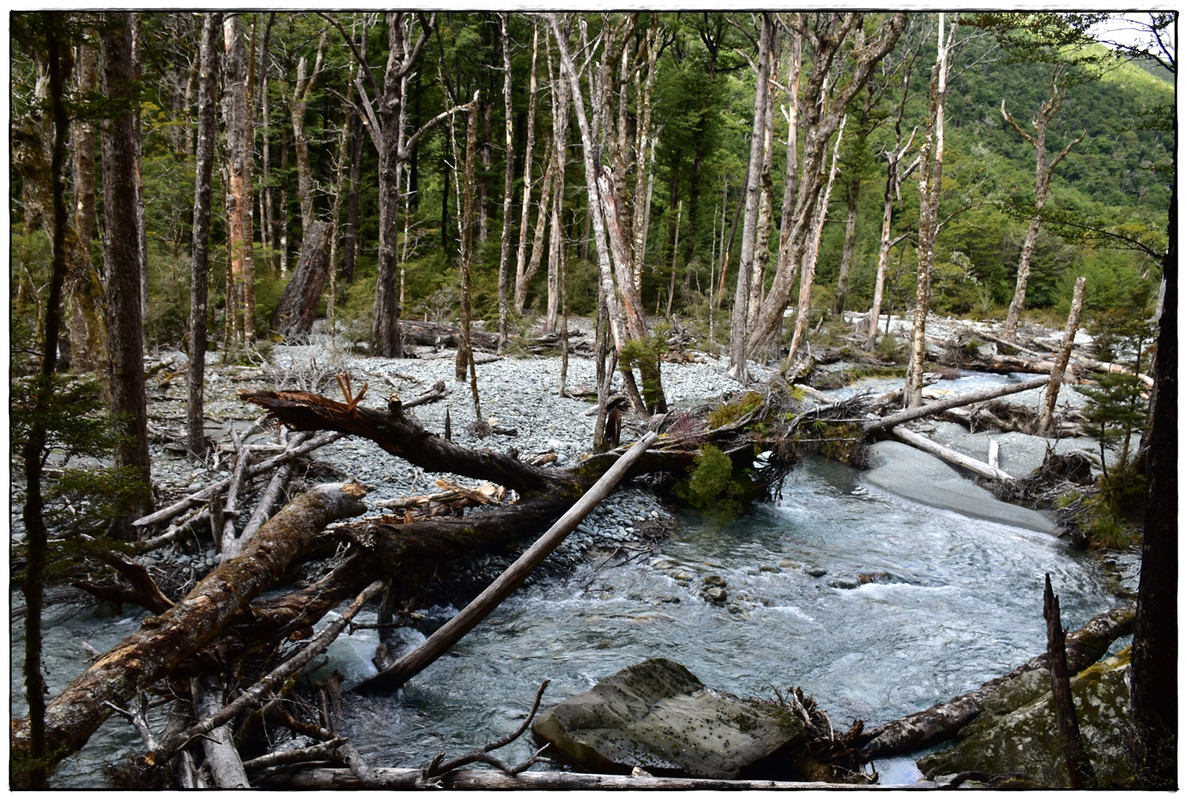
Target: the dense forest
pixel 765 182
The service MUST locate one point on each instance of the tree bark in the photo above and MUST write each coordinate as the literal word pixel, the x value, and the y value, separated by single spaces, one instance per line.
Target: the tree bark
pixel 240 316
pixel 739 332
pixel 930 186
pixel 812 251
pixel 508 177
pixel 121 252
pixel 302 89
pixel 297 307
pixel 200 239
pixel 944 720
pixel 1155 641
pixel 1079 768
pixel 526 205
pixel 1069 337
pixel 163 641
pixel 821 115
pixel 917 412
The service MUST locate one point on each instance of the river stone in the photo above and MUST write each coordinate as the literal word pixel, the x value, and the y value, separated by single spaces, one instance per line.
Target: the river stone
pixel 1024 740
pixel 657 716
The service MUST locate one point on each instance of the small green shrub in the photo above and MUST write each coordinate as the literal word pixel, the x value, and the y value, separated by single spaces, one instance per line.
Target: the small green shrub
pixel 729 413
pixel 712 487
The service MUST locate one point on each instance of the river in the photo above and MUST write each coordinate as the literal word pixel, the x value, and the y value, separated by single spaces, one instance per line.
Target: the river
pixel 956 600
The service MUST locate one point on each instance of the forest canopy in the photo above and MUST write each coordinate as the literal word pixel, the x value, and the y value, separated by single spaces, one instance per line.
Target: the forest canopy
pixel 684 94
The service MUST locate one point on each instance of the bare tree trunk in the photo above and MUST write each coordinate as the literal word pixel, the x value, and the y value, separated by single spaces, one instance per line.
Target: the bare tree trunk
pixel 465 353
pixel 163 641
pixel 200 240
pixel 237 119
pixel 1079 768
pixel 121 254
pixel 530 143
pixel 297 307
pixel 478 609
pixel 762 235
pixel 1047 416
pixel 1155 640
pixel 931 173
pixel 894 179
pixel 508 178
pixel 739 331
pixel 84 285
pixel 602 247
pixel 298 102
pixel 31 768
pixel 1043 174
pixel 847 248
pixel 808 265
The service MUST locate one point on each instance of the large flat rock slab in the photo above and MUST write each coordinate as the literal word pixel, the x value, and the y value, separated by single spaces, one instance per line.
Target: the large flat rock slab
pixel 658 716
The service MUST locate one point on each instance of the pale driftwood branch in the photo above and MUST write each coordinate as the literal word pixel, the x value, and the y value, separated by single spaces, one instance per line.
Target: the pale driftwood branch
pixel 323 751
pixel 229 542
pixel 256 693
pixel 222 759
pixel 200 497
pixel 944 720
pixel 974 466
pixel 451 632
pixel 909 414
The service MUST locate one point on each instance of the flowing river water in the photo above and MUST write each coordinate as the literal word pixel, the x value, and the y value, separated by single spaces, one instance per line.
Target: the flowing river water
pixel 955 600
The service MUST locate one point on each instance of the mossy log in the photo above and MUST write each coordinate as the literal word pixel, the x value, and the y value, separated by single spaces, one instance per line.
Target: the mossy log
pixel 944 720
pixel 163 641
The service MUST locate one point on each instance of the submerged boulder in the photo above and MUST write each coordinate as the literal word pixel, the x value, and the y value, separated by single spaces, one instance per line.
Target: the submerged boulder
pixel 657 716
pixel 1016 733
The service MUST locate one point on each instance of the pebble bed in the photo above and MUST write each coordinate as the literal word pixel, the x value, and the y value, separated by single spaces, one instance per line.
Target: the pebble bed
pixel 515 393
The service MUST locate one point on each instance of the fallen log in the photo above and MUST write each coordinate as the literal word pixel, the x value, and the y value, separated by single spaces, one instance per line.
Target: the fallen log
pixel 402 435
pixel 435 334
pixel 944 720
pixel 163 641
pixel 309 777
pixel 951 456
pixel 906 415
pixel 464 621
pixel 222 759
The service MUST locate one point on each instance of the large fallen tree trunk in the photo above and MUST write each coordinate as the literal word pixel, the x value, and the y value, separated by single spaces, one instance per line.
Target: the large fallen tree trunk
pixel 944 720
pixel 402 435
pixel 163 641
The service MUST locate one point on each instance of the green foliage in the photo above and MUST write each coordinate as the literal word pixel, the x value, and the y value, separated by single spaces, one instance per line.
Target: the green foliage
pixel 729 413
pixel 647 355
pixel 84 492
pixel 712 486
pixel 889 348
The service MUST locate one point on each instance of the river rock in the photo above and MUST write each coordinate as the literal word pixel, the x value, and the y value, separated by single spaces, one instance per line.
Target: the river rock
pixel 657 716
pixel 1016 732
